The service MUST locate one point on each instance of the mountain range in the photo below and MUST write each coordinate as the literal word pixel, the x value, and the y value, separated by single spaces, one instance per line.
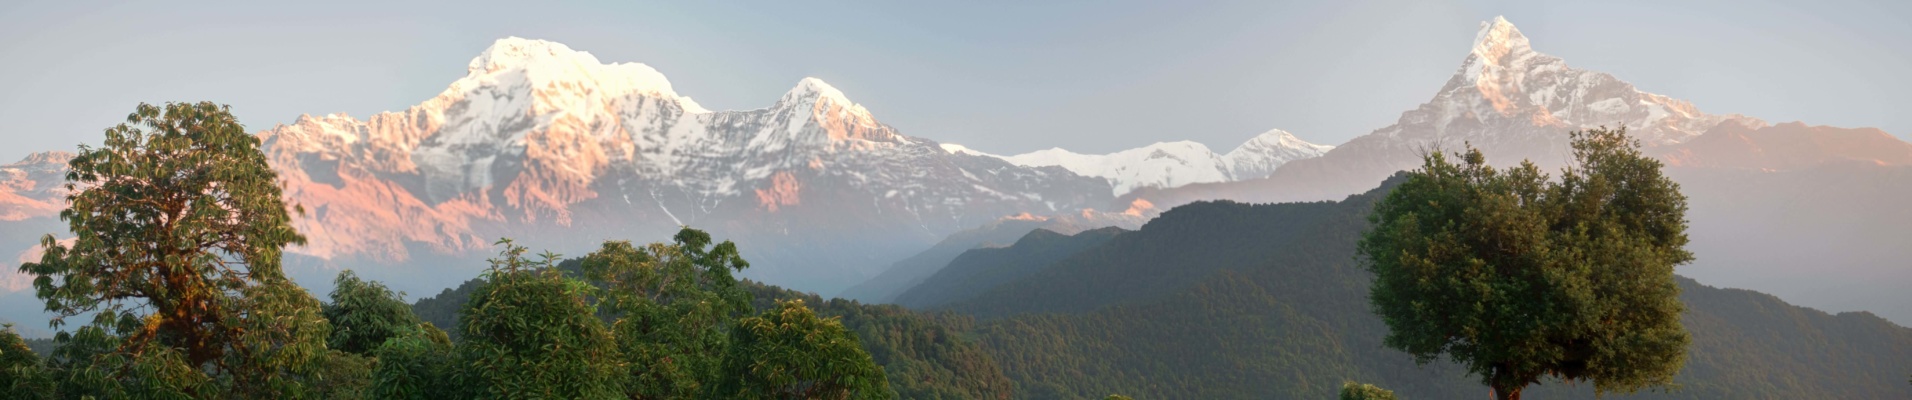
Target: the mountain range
pixel 552 147
pixel 1172 164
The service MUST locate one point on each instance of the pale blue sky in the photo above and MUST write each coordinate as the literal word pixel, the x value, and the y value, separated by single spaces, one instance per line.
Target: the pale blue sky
pixel 1004 77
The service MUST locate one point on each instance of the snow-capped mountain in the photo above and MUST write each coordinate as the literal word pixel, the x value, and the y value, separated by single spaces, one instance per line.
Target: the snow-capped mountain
pixel 1171 164
pixel 1507 99
pixel 32 193
pixel 34 186
pixel 550 146
pixel 1268 151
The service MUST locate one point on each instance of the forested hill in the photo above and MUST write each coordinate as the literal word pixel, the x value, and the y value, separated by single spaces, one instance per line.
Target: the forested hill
pixel 1230 300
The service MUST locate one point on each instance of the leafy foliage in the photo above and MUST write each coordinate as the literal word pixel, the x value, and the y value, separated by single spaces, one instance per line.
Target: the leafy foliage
pixel 673 304
pixel 530 333
pixel 365 314
pixel 21 373
pixel 924 355
pixel 1519 277
pixel 418 364
pixel 788 352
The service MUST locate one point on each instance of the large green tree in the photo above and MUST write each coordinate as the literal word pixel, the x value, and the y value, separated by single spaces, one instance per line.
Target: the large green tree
pixel 674 305
pixel 179 228
pixel 788 352
pixel 1518 276
pixel 531 332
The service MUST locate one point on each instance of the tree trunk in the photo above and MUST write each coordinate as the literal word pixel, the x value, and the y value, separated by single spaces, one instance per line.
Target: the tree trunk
pixel 1507 393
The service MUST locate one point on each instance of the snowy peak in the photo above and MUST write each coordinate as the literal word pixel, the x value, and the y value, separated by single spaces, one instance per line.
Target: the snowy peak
pixel 1171 164
pixel 552 71
pixel 33 187
pixel 813 89
pixel 516 52
pixel 58 158
pixel 824 102
pixel 816 103
pixel 1160 165
pixel 1276 139
pixel 1504 86
pixel 1498 40
pixel 1261 155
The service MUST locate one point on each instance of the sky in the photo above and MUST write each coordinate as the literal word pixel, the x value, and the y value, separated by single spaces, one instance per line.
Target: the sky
pixel 999 76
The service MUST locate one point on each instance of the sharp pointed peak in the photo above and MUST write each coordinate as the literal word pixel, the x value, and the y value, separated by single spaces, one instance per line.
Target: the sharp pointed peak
pixel 811 88
pixel 1498 37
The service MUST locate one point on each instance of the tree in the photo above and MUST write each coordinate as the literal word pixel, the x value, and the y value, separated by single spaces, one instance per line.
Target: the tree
pixel 22 376
pixel 1519 277
pixel 180 227
pixel 365 314
pixel 530 332
pixel 1362 391
pixel 674 305
pixel 789 353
